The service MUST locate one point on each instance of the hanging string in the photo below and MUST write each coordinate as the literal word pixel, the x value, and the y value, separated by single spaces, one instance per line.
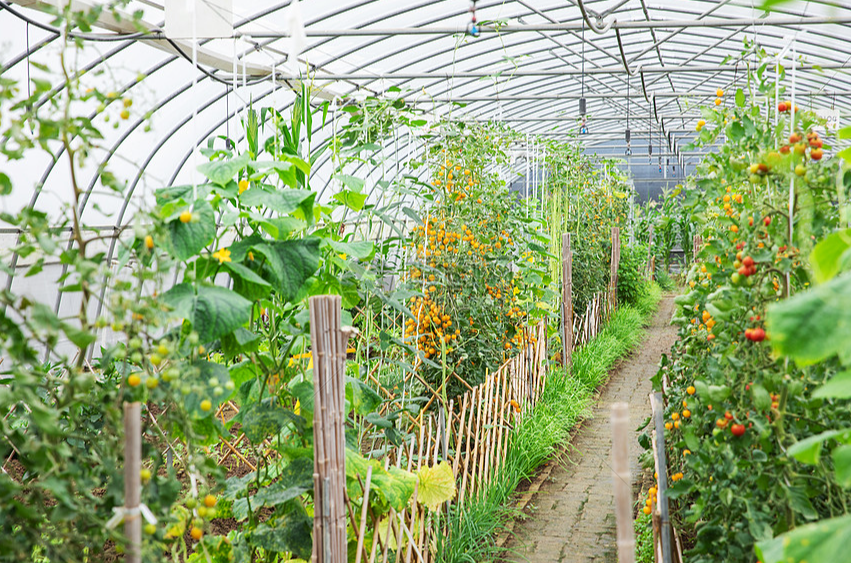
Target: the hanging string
pixel 29 92
pixel 194 102
pixel 583 58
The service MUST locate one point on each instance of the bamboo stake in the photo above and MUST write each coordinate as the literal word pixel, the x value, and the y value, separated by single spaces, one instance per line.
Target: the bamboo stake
pixel 567 300
pixel 364 508
pixel 467 440
pixel 483 454
pixel 622 483
pixel 132 480
pixel 376 537
pixel 503 400
pixel 460 435
pixel 657 406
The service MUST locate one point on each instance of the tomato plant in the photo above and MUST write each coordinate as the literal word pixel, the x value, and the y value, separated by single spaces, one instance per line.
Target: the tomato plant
pixel 741 483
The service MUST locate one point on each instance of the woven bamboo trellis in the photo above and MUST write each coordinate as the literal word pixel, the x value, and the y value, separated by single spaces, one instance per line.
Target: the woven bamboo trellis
pixel 473 434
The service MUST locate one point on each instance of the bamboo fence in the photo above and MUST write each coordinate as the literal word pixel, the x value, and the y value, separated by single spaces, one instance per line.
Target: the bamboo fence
pixel 473 435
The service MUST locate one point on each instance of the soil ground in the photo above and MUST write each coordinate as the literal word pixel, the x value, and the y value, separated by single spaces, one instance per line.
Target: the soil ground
pixel 570 519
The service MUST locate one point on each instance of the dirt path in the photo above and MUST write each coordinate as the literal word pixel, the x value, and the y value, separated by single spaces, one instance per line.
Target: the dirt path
pixel 570 519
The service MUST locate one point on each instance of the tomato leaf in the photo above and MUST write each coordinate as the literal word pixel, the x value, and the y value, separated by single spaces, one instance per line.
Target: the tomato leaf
pixel 822 541
pixel 839 387
pixel 761 398
pixel 808 450
pixel 826 257
pixel 814 325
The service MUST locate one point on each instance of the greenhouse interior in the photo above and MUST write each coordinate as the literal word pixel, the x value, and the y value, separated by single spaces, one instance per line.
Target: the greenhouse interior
pixel 449 281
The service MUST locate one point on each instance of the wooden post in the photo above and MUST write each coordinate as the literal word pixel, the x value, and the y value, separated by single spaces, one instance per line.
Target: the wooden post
pixel 651 257
pixel 328 342
pixel 567 301
pixel 657 405
pixel 616 258
pixel 132 481
pixel 622 483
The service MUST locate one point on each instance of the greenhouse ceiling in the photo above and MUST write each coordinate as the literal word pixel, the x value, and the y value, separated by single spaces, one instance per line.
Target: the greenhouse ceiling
pixel 639 65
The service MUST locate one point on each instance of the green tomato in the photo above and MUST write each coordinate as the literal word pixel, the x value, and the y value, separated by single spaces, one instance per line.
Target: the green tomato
pixel 191 503
pixel 150 529
pixel 736 277
pixel 230 386
pixel 136 357
pixel 193 338
pixel 171 374
pixel 135 342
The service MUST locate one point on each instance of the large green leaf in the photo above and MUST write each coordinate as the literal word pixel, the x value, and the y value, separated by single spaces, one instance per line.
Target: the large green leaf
pixel 362 397
pixel 814 325
pixel 350 199
pixel 213 311
pixel 826 257
pixel 291 263
pixel 353 183
pixel 839 387
pixel 825 541
pixel 294 480
pixel 360 249
pixel 288 533
pixel 808 450
pixel 393 485
pixel 188 239
pixel 266 419
pixel 223 171
pixel 842 465
pixel 283 202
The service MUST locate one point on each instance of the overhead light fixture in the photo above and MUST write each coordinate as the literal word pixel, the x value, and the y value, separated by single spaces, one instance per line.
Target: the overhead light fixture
pixel 583 106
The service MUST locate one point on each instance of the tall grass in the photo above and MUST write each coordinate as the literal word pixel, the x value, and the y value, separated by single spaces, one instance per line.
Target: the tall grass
pixel 472 530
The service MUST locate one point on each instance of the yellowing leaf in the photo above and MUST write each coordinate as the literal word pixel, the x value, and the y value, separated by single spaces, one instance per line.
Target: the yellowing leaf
pixel 437 485
pixel 178 528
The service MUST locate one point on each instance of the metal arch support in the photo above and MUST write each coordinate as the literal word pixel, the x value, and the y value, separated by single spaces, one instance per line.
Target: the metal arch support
pixel 596 29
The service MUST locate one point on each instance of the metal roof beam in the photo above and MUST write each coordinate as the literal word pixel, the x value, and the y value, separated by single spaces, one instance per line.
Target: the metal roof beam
pixel 656 69
pixel 775 21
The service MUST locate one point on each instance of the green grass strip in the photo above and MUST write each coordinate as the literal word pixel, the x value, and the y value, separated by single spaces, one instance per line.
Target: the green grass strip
pixel 472 530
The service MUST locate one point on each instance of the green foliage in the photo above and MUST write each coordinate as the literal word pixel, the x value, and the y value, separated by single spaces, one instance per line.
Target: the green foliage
pixel 632 283
pixel 663 278
pixel 644 539
pixel 473 528
pixel 757 476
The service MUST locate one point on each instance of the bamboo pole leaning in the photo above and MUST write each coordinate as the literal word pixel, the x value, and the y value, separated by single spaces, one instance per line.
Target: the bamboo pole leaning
pixel 622 483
